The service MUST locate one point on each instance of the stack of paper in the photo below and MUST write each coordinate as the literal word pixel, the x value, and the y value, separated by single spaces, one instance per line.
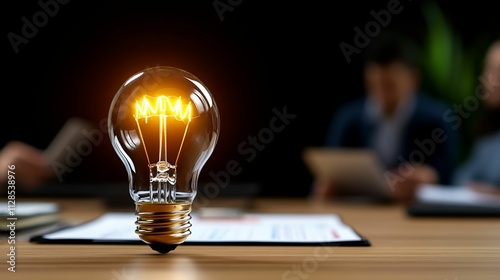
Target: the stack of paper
pixel 23 215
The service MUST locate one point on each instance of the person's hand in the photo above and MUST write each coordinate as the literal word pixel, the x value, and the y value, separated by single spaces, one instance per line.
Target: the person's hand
pixel 485 188
pixel 404 189
pixel 322 190
pixel 31 166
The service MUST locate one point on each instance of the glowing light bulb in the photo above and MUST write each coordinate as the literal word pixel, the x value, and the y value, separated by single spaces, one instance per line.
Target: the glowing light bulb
pixel 164 125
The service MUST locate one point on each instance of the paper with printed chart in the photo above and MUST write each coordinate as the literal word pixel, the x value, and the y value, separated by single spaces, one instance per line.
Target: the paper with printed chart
pixel 248 228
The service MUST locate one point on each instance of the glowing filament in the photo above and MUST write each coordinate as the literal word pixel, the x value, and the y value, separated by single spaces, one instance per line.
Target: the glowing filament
pixel 162 107
pixel 167 106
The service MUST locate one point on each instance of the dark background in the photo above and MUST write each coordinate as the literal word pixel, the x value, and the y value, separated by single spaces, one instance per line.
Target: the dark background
pixel 262 55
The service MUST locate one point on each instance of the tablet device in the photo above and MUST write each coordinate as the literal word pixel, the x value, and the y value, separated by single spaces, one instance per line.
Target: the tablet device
pixel 355 172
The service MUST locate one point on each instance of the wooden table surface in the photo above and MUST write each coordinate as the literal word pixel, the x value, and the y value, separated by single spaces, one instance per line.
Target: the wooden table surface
pixel 402 248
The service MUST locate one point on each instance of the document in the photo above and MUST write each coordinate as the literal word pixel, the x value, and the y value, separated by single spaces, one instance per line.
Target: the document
pixel 25 215
pixel 453 201
pixel 249 228
pixel 462 195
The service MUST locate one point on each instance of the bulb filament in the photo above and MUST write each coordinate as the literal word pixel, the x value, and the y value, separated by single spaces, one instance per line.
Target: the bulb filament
pixel 162 174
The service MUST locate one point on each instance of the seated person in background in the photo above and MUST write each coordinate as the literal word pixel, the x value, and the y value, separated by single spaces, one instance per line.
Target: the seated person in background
pixel 395 119
pixel 482 169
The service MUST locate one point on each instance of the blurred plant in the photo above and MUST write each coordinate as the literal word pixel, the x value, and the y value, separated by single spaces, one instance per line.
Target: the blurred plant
pixel 450 67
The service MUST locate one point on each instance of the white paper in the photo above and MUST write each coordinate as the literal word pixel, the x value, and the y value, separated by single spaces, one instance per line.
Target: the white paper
pixel 303 228
pixel 27 208
pixel 462 195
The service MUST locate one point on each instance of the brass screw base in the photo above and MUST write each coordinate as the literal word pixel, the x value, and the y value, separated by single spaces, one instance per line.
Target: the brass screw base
pixel 162 225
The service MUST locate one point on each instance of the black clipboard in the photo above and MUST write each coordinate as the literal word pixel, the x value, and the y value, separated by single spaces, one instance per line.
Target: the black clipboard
pixel 435 209
pixel 453 201
pixel 45 238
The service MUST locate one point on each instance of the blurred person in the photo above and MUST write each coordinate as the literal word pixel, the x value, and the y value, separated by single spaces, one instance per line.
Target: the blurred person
pixel 481 170
pixel 30 165
pixel 34 167
pixel 80 153
pixel 394 118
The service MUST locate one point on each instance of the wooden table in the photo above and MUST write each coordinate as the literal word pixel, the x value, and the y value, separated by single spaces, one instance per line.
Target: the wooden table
pixel 402 248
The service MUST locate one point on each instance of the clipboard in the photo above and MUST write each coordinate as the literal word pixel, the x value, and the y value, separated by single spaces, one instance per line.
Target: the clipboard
pixel 248 229
pixel 453 201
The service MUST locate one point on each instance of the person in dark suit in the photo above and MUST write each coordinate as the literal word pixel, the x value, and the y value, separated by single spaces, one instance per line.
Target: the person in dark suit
pixel 403 125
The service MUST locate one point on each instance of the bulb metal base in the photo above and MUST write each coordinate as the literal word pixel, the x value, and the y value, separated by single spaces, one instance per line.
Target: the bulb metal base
pixel 163 225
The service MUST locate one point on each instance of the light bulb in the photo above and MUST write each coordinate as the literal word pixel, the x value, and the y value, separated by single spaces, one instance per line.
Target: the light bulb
pixel 163 124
